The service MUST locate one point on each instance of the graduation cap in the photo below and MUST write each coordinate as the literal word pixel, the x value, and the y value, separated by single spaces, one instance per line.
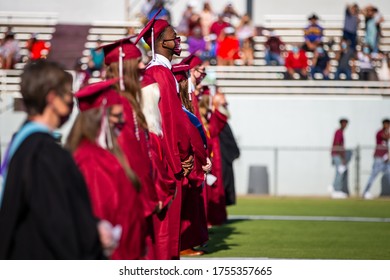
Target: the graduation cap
pixel 119 51
pixel 152 30
pixel 192 60
pixel 123 48
pixel 98 94
pixel 180 71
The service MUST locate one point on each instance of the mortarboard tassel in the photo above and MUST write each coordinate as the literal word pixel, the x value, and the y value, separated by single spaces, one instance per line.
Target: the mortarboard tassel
pixel 121 83
pixel 153 44
pixel 189 86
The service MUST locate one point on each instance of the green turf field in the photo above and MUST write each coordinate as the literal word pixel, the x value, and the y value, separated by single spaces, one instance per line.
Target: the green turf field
pixel 304 239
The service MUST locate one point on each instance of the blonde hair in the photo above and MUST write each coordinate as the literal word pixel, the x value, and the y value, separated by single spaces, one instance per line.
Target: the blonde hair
pixel 132 90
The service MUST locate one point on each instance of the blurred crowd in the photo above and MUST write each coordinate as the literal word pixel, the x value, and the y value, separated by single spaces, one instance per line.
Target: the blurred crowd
pixel 10 49
pixel 312 60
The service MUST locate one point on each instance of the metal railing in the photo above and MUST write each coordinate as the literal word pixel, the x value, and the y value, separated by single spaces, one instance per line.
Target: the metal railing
pixel 359 165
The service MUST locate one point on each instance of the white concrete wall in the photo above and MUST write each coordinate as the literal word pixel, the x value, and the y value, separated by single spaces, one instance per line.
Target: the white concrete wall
pixel 260 121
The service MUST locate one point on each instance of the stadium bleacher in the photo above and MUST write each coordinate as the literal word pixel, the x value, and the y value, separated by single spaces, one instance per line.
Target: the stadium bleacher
pixel 232 79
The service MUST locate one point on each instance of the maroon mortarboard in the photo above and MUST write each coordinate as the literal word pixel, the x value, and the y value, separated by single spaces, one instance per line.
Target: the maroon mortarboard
pixel 118 51
pixel 112 51
pixel 192 60
pixel 180 71
pixel 152 30
pixel 98 94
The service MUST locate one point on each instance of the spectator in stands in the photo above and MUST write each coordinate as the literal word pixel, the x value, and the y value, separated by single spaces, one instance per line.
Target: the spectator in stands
pixel 207 17
pixel 351 25
pixel 184 25
pixel 145 10
pixel 228 47
pixel 273 50
pixel 194 23
pixel 96 58
pixel 381 156
pixel 82 76
pixel 212 49
pixel 9 51
pixel 197 44
pixel 230 14
pixel 313 34
pixel 320 62
pixel 373 20
pixel 340 159
pixel 37 48
pixel 245 33
pixel 344 57
pixel 164 14
pixel 218 26
pixel 296 63
pixel 367 70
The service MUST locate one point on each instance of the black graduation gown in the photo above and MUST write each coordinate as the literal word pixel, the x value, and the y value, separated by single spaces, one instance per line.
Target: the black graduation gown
pixel 229 152
pixel 46 212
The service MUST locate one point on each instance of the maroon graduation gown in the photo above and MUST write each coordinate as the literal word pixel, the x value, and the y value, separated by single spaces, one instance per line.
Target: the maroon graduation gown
pixel 134 144
pixel 166 189
pixel 216 207
pixel 175 141
pixel 113 198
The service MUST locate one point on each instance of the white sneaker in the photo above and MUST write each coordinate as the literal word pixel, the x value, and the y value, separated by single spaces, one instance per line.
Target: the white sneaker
pixel 339 195
pixel 368 195
pixel 330 189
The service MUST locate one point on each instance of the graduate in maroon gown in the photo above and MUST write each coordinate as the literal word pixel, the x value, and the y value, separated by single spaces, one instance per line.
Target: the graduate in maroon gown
pixel 165 179
pixel 197 74
pixel 193 217
pixel 113 186
pixel 214 120
pixel 176 140
pixel 123 60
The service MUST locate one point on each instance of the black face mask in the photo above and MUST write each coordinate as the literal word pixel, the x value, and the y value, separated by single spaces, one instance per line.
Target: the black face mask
pixel 65 118
pixel 176 49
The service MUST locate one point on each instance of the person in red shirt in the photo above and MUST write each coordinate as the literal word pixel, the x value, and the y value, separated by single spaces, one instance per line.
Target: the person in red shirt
pixel 218 26
pixel 38 48
pixel 296 62
pixel 340 159
pixel 381 156
pixel 228 47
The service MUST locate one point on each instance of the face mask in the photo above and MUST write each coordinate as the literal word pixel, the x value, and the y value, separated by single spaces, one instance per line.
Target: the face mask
pixel 320 50
pixel 65 118
pixel 344 45
pixel 366 50
pixel 200 78
pixel 119 126
pixel 176 49
pixel 295 50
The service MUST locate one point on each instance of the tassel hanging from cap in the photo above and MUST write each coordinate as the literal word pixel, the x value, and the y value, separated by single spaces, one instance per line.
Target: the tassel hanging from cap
pixel 121 83
pixel 153 56
pixel 189 86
